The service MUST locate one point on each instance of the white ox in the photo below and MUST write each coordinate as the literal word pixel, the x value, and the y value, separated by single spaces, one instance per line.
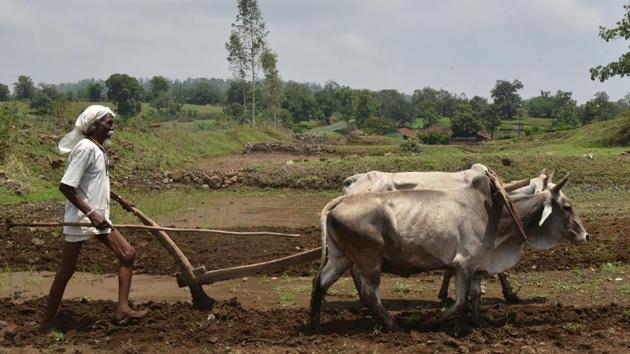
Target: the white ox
pixel 462 230
pixel 377 181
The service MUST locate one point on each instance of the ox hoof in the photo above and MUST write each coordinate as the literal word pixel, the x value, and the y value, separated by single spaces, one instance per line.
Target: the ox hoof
pixel 511 298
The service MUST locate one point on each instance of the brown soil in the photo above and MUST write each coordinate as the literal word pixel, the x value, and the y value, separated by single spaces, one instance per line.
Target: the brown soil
pixel 177 327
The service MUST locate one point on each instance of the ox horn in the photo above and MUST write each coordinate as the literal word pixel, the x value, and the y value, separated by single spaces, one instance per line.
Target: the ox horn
pixel 560 184
pixel 551 176
pixel 543 171
pixel 512 186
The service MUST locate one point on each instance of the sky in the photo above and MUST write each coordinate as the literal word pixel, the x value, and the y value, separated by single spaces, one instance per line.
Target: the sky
pixel 462 46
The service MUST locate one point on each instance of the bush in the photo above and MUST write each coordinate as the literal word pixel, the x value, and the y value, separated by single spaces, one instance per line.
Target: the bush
pixel 434 138
pixel 411 146
pixel 532 130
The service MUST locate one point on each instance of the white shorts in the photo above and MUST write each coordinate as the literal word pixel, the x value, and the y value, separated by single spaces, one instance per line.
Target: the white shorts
pixel 79 238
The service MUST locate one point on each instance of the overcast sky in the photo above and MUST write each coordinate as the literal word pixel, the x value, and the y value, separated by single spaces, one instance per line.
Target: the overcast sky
pixel 462 46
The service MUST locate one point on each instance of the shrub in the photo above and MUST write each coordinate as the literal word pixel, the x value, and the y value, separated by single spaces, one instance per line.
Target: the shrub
pixel 532 130
pixel 434 138
pixel 411 146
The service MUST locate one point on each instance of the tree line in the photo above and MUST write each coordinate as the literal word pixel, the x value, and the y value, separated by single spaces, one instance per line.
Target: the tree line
pixel 311 103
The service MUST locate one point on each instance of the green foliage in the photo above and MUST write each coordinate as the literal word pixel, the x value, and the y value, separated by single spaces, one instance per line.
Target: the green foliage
pixel 9 119
pixel 395 107
pixel 364 106
pixel 434 138
pixel 620 67
pixel 411 145
pixel 430 104
pixel 24 88
pixel 464 120
pixel 599 108
pixel 126 92
pixel 506 99
pixel 95 91
pixel 378 125
pixel 5 94
pixel 48 101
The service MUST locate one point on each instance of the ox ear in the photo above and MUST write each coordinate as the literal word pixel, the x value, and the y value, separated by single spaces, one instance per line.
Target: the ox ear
pixel 545 214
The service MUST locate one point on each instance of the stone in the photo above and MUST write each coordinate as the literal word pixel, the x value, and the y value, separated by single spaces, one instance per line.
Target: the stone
pixel 205 187
pixel 176 175
pixel 23 191
pixel 187 179
pixel 215 182
pixel 37 241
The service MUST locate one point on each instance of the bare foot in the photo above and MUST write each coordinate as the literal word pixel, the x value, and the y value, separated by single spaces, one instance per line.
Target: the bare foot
pixel 123 316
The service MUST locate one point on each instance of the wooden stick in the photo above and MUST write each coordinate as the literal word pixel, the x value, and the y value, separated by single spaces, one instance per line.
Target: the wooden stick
pixel 252 269
pixel 200 299
pixel 9 224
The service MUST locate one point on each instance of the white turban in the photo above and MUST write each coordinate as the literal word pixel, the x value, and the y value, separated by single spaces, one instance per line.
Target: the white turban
pixel 85 119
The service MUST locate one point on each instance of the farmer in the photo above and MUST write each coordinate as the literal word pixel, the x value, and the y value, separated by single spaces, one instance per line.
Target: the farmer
pixel 86 188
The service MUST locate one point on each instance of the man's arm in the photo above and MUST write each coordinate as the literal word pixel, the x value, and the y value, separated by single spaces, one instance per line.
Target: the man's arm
pixel 95 218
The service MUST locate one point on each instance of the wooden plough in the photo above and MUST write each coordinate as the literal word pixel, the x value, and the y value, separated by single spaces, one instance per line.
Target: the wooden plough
pixel 194 278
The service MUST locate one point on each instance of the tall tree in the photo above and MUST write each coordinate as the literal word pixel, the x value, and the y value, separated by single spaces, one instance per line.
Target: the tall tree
pixel 506 99
pixel 620 67
pixel 272 81
pixel 157 85
pixel 426 105
pixel 395 107
pixel 5 94
pixel 24 88
pixel 126 92
pixel 246 44
pixel 95 91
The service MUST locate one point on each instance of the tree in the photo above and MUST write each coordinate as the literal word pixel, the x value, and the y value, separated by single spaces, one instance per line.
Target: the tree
pixel 599 108
pixel 364 106
pixel 620 67
pixel 246 44
pixel 300 102
pixel 49 101
pixel 426 106
pixel 325 100
pixel 506 99
pixel 126 92
pixel 491 120
pixel 564 112
pixel 24 88
pixel 95 91
pixel 395 107
pixel 158 85
pixel 464 119
pixel 272 81
pixel 5 94
pixel 343 97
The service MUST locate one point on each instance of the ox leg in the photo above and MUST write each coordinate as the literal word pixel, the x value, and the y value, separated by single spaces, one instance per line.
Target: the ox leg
pixel 475 298
pixel 509 294
pixel 370 296
pixel 331 272
pixel 358 283
pixel 443 294
pixel 463 278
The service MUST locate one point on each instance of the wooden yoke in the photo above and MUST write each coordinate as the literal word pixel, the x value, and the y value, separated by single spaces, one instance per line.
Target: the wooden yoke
pixel 496 180
pixel 200 299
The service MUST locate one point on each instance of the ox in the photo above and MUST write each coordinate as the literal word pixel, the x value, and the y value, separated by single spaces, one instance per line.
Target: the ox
pixel 377 181
pixel 411 231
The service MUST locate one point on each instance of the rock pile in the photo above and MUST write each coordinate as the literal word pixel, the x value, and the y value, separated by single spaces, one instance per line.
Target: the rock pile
pixel 272 146
pixel 216 180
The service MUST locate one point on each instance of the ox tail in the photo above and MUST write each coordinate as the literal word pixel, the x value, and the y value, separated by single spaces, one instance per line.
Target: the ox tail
pixel 322 223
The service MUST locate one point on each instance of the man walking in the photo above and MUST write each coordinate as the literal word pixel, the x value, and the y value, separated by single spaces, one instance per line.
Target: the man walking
pixel 86 188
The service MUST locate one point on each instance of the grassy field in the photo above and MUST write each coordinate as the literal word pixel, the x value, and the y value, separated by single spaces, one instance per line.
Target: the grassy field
pixel 594 154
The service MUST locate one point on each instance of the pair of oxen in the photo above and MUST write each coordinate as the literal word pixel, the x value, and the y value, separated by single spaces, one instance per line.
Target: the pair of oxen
pixel 411 222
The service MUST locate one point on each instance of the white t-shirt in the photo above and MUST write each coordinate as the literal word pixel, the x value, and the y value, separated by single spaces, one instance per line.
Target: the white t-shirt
pixel 87 172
